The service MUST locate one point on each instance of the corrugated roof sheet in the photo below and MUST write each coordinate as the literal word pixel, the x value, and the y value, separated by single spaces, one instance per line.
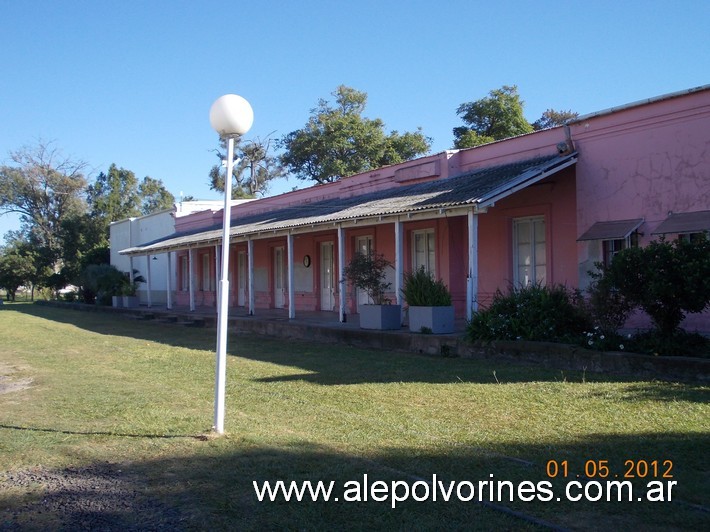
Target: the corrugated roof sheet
pixel 685 222
pixel 614 230
pixel 479 187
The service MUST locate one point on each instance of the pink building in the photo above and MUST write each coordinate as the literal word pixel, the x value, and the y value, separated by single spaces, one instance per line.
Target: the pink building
pixel 539 207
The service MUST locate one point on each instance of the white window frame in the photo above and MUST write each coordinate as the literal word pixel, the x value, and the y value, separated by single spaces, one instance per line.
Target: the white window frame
pixel 184 273
pixel 206 277
pixel 534 260
pixel 612 246
pixel 429 262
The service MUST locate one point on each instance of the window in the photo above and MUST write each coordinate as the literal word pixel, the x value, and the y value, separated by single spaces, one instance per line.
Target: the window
pixel 184 274
pixel 206 272
pixel 691 237
pixel 612 247
pixel 424 251
pixel 529 251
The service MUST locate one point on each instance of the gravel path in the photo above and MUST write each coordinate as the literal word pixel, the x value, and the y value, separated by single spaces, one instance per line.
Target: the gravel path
pixel 98 497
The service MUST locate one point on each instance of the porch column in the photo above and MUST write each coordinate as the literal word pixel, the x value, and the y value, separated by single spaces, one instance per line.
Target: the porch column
pixel 341 273
pixel 398 265
pixel 169 283
pixel 291 288
pixel 217 272
pixel 191 277
pixel 472 281
pixel 250 274
pixel 131 277
pixel 149 284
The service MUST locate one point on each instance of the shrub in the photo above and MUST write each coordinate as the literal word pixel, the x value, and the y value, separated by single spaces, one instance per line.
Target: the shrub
pixel 680 343
pixel 101 281
pixel 533 312
pixel 367 272
pixel 422 290
pixel 665 279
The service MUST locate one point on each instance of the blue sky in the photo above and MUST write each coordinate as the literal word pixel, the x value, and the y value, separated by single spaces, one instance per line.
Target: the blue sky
pixel 132 82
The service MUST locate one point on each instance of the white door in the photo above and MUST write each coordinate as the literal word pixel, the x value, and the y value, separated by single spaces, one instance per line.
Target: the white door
pixel 327 283
pixel 364 246
pixel 279 285
pixel 242 278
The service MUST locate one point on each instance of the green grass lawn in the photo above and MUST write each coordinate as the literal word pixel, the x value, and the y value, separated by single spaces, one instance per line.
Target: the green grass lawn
pixel 139 396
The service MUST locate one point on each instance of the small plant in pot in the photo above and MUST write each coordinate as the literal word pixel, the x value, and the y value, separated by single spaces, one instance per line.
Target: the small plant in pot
pixel 429 301
pixel 367 272
pixel 129 289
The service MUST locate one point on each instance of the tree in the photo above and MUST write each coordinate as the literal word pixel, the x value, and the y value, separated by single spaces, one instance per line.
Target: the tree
pixel 16 268
pixel 114 195
pixel 338 141
pixel 254 171
pixel 552 118
pixel 45 188
pixel 154 196
pixel 117 195
pixel 495 117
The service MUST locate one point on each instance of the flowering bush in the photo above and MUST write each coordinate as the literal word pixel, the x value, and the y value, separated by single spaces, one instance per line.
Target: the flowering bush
pixel 532 312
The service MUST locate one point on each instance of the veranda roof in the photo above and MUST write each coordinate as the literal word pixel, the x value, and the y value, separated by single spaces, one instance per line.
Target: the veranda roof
pixel 614 230
pixel 479 188
pixel 684 222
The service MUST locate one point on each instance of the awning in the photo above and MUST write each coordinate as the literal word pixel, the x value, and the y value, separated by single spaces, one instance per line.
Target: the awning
pixel 478 188
pixel 615 230
pixel 684 222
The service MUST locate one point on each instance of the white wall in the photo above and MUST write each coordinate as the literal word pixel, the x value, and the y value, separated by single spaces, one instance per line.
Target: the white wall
pixel 135 231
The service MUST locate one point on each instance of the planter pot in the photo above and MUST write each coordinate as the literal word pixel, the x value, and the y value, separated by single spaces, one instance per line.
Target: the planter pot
pixel 380 317
pixel 116 301
pixel 438 320
pixel 130 301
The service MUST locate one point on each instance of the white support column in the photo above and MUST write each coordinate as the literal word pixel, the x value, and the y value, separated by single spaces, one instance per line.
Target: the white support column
pixel 217 273
pixel 399 264
pixel 191 277
pixel 169 283
pixel 131 277
pixel 149 285
pixel 472 281
pixel 341 273
pixel 291 287
pixel 250 274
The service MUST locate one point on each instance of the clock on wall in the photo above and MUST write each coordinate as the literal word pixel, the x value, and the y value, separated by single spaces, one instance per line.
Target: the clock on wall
pixel 307 260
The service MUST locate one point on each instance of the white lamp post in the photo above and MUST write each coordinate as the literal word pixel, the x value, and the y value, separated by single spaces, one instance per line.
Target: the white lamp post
pixel 231 116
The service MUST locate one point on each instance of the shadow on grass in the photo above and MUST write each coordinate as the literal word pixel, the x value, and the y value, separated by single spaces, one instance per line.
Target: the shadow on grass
pixel 334 364
pixel 201 437
pixel 214 488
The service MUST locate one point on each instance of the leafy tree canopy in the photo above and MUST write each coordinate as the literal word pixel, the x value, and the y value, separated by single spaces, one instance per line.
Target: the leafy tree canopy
pixel 552 118
pixel 17 267
pixel 495 117
pixel 118 194
pixel 338 141
pixel 254 171
pixel 499 116
pixel 45 188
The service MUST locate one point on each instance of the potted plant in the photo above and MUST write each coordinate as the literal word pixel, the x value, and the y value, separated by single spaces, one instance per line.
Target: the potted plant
pixel 429 301
pixel 367 273
pixel 129 289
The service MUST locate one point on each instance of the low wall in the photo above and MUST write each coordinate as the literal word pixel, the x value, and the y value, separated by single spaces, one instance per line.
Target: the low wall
pixel 551 355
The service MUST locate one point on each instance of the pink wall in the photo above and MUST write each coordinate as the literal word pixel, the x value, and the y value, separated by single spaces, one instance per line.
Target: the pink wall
pixel 553 198
pixel 643 162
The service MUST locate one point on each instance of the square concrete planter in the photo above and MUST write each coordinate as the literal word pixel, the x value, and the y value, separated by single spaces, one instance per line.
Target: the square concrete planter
pixel 130 301
pixel 438 320
pixel 380 317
